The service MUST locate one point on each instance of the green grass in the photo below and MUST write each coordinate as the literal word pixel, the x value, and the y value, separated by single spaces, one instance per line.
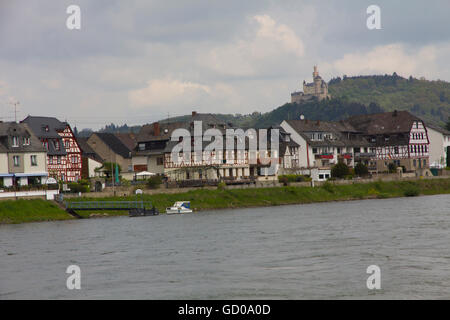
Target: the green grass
pixel 204 199
pixel 18 211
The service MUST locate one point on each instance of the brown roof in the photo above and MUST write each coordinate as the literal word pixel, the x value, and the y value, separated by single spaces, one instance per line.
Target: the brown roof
pixel 147 132
pixel 383 123
pixel 87 151
pixel 128 139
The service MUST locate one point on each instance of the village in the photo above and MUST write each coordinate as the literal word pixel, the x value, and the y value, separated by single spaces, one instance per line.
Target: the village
pixel 41 156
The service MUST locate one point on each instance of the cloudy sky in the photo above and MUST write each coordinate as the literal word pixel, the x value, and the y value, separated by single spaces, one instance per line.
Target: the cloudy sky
pixel 137 61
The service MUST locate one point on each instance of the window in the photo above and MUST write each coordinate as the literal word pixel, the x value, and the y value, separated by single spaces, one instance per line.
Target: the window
pixel 159 161
pixel 16 160
pixel 396 150
pixel 58 160
pixel 67 144
pixel 26 141
pixel 33 159
pixel 141 146
pixel 314 150
pixel 50 160
pixel 74 159
pixel 57 146
pixel 15 141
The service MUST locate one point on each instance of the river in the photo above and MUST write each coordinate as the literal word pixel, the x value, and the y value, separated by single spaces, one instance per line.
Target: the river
pixel 313 251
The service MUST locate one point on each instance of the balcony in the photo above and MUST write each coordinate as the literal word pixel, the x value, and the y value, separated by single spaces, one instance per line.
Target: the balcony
pixel 324 156
pixel 346 156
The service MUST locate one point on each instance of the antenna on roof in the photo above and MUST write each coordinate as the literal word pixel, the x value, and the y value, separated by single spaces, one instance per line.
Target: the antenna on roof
pixel 15 104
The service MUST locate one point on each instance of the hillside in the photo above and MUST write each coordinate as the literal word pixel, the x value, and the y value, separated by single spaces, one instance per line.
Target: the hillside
pixel 429 100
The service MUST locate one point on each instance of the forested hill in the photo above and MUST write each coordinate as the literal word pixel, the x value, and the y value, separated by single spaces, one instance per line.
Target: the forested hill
pixel 429 100
pixel 329 110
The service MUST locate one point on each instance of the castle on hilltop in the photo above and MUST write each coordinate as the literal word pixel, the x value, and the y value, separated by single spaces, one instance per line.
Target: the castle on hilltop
pixel 318 88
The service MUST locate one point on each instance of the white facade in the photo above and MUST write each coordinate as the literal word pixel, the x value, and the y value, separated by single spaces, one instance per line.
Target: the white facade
pixel 303 149
pixel 439 142
pixel 92 165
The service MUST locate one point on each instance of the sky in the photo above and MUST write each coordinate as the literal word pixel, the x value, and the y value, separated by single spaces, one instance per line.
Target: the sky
pixel 138 61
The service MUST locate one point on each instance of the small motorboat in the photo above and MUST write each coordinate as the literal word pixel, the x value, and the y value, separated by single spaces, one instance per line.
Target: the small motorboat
pixel 180 207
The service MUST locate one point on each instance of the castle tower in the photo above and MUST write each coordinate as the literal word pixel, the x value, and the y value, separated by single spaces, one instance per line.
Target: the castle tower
pixel 315 73
pixel 318 88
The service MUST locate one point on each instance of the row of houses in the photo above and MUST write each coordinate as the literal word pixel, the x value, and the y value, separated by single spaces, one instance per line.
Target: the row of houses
pixel 37 148
pixel 305 146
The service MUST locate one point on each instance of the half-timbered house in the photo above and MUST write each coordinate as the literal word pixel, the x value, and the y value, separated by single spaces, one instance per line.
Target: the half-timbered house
pixel 63 152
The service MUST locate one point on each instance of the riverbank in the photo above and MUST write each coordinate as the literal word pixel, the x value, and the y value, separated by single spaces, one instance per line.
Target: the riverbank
pixel 207 199
pixel 19 211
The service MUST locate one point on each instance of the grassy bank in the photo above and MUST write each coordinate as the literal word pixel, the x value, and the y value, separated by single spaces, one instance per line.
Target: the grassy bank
pixel 203 199
pixel 18 211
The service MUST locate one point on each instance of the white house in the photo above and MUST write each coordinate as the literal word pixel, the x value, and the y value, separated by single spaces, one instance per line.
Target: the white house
pixel 23 159
pixel 439 146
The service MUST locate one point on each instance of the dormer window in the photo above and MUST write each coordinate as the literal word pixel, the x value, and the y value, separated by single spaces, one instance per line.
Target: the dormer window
pixel 141 146
pixel 57 146
pixel 26 141
pixel 45 128
pixel 15 141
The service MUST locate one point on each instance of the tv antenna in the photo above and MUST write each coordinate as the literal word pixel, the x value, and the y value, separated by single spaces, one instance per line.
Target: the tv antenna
pixel 15 104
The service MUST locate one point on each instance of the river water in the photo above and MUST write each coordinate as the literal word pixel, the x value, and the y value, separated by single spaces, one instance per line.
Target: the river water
pixel 314 251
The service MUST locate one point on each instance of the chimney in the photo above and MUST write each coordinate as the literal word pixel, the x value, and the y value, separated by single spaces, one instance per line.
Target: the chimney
pixel 194 113
pixel 156 130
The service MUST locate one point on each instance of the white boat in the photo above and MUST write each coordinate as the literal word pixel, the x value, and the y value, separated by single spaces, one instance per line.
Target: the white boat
pixel 180 207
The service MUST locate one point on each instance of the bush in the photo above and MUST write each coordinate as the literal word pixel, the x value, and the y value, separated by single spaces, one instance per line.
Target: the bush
pixel 361 169
pixel 392 168
pixel 286 178
pixel 340 170
pixel 81 186
pixel 221 186
pixel 328 187
pixel 154 182
pixel 411 191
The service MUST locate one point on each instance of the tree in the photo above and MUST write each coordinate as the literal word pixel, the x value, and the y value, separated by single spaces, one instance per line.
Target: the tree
pixel 392 167
pixel 361 169
pixel 340 170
